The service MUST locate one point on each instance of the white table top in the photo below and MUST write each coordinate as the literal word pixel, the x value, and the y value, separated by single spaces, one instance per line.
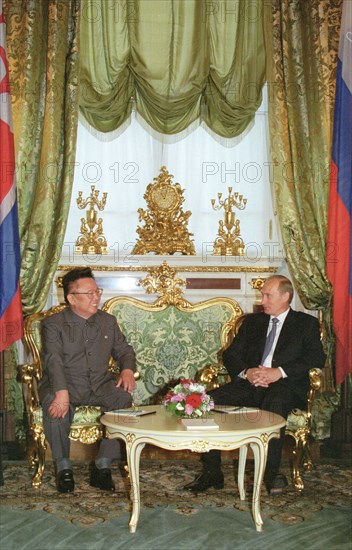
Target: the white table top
pixel 244 421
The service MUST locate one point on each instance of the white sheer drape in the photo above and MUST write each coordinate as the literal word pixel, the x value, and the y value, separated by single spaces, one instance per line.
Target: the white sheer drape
pixel 203 166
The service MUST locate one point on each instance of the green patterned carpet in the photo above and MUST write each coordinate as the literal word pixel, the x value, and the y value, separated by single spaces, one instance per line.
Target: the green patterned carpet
pixel 329 485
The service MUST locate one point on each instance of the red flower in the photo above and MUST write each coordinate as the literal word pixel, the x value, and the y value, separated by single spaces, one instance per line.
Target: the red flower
pixel 169 395
pixel 194 400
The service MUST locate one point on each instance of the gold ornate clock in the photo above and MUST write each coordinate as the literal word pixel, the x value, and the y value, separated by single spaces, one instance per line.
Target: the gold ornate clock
pixel 164 197
pixel 165 230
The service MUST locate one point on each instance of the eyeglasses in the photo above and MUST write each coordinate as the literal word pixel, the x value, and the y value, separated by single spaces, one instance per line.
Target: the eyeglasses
pixel 90 293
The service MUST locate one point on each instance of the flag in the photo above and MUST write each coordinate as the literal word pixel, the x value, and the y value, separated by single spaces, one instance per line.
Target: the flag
pixel 11 319
pixel 339 248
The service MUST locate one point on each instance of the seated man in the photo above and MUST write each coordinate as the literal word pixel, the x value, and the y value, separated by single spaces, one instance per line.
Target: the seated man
pixel 268 363
pixel 77 345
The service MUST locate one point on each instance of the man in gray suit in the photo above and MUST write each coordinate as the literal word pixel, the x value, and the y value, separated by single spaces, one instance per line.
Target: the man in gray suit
pixel 77 345
pixel 268 363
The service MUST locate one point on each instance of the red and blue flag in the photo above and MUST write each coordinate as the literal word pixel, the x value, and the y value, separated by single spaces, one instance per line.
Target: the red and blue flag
pixel 339 248
pixel 11 318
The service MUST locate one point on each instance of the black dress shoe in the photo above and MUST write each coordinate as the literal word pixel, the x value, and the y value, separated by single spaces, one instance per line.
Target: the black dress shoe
pixel 206 480
pixel 65 482
pixel 277 485
pixel 101 479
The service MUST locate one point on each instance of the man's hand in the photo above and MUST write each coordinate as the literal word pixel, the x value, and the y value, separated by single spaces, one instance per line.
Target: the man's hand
pixel 263 376
pixel 58 408
pixel 127 380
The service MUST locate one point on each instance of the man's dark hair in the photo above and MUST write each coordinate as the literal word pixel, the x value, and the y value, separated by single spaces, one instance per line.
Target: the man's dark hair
pixel 74 275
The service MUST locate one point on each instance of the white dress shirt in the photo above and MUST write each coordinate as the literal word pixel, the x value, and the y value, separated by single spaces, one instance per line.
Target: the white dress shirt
pixel 267 363
pixel 281 318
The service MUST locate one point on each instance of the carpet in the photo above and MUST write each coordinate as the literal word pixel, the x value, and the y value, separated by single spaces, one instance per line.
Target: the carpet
pixel 162 529
pixel 327 487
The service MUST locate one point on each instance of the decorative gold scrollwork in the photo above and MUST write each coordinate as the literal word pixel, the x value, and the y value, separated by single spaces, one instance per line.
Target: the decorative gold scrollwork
pixel 86 434
pixel 130 438
pixel 257 283
pixel 162 280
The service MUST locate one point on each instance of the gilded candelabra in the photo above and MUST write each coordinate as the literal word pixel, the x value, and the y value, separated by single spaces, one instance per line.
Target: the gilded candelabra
pixel 229 241
pixel 91 240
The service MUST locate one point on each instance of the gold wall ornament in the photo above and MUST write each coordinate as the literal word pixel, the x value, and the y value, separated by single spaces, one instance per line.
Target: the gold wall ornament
pixel 91 240
pixel 162 280
pixel 229 241
pixel 165 230
pixel 257 284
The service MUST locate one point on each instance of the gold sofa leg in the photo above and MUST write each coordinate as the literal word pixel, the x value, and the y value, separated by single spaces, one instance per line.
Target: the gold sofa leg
pixel 37 455
pixel 307 458
pixel 301 441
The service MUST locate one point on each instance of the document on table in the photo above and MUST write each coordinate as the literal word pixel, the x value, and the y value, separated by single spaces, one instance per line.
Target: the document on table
pixel 131 412
pixel 229 409
pixel 199 424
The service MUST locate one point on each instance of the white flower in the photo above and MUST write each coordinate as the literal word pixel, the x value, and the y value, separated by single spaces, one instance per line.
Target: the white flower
pixel 196 388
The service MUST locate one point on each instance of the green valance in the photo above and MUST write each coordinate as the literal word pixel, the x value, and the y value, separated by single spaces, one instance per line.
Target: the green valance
pixel 175 60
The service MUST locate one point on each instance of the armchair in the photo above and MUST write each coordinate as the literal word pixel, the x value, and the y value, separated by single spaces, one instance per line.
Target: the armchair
pixel 299 422
pixel 86 426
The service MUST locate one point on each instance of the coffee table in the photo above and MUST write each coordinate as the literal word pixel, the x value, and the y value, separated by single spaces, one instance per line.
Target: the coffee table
pixel 247 427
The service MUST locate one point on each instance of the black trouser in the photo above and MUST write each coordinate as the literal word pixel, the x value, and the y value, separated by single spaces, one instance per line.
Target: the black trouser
pixel 277 398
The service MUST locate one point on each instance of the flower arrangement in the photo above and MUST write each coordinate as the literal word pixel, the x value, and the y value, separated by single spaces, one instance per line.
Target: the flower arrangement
pixel 188 399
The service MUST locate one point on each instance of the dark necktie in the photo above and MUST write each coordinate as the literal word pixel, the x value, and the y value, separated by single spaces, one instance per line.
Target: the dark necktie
pixel 270 340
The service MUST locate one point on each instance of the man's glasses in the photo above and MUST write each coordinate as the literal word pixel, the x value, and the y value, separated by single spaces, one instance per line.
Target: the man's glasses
pixel 90 293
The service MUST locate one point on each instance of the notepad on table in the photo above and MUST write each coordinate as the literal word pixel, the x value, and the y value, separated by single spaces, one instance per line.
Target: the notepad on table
pixel 229 409
pixel 131 412
pixel 199 424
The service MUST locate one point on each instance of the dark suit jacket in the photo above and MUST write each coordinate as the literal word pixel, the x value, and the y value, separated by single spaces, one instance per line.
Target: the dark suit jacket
pixel 298 348
pixel 76 355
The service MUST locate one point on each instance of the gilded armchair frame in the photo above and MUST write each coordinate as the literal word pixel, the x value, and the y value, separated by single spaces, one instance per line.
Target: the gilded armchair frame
pixel 30 373
pixel 299 426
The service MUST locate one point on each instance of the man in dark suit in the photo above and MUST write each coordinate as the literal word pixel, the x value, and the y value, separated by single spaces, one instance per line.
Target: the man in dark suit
pixel 77 345
pixel 268 363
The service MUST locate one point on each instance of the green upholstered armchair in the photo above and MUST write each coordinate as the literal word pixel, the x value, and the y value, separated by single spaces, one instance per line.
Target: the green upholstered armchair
pixel 86 426
pixel 299 421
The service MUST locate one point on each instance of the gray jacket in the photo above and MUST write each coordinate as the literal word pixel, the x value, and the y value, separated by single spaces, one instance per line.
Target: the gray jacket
pixel 76 355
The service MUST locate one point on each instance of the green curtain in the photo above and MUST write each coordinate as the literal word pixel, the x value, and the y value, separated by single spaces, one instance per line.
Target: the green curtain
pixel 42 41
pixel 302 44
pixel 177 60
pixel 14 404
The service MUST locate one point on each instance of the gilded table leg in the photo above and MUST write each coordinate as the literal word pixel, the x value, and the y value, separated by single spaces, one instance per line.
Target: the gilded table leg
pixel 133 451
pixel 241 468
pixel 259 453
